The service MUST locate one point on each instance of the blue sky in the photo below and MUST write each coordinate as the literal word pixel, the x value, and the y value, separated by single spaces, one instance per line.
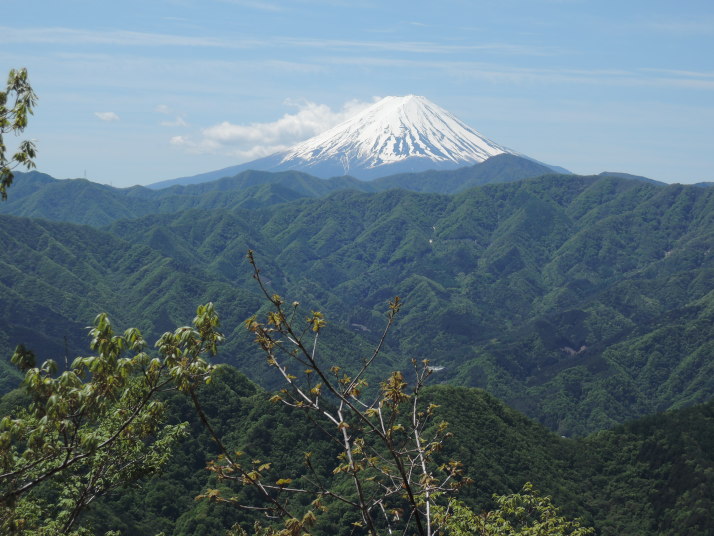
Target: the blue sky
pixel 133 92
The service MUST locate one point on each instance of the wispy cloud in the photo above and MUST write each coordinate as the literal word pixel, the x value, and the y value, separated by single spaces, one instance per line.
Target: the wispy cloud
pixel 178 120
pixel 498 73
pixel 686 27
pixel 420 47
pixel 678 73
pixel 255 4
pixel 72 36
pixel 255 140
pixel 593 77
pixel 107 116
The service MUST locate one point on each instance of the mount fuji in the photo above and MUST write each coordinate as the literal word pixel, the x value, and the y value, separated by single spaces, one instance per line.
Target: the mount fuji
pixel 394 135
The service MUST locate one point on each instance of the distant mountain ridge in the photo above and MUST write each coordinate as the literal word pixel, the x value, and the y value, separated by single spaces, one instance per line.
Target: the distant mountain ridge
pixel 81 201
pixel 395 135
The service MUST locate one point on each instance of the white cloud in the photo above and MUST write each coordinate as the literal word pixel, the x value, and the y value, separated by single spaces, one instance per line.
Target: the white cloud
pixel 166 110
pixel 256 140
pixel 107 116
pixel 178 122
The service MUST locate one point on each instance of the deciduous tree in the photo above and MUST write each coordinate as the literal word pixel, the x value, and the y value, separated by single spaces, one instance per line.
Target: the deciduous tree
pixel 386 436
pixel 16 104
pixel 96 426
pixel 520 514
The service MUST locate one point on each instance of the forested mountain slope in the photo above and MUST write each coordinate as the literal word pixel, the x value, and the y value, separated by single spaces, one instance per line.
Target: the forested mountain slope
pixel 57 277
pixel 582 301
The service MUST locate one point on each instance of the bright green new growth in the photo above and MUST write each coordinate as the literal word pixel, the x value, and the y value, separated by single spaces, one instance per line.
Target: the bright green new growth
pixel 520 514
pixel 96 426
pixel 16 103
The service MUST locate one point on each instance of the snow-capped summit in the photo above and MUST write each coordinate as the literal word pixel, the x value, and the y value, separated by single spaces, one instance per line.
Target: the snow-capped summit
pixel 409 133
pixel 394 135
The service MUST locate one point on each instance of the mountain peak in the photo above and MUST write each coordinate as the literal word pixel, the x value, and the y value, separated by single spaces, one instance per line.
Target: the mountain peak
pixel 397 134
pixel 409 130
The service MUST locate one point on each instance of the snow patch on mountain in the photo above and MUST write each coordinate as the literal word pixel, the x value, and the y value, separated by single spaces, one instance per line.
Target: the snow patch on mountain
pixel 394 135
pixel 391 131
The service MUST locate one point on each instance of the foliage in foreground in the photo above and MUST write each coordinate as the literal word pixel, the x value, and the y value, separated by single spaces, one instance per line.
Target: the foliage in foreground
pixel 100 425
pixel 16 104
pixel 520 514
pixel 648 478
pixel 387 471
pixel 96 426
pixel 387 443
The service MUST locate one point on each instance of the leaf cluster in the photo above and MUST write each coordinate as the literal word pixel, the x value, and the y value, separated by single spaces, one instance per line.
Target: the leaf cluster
pixel 16 104
pixel 99 424
pixel 520 514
